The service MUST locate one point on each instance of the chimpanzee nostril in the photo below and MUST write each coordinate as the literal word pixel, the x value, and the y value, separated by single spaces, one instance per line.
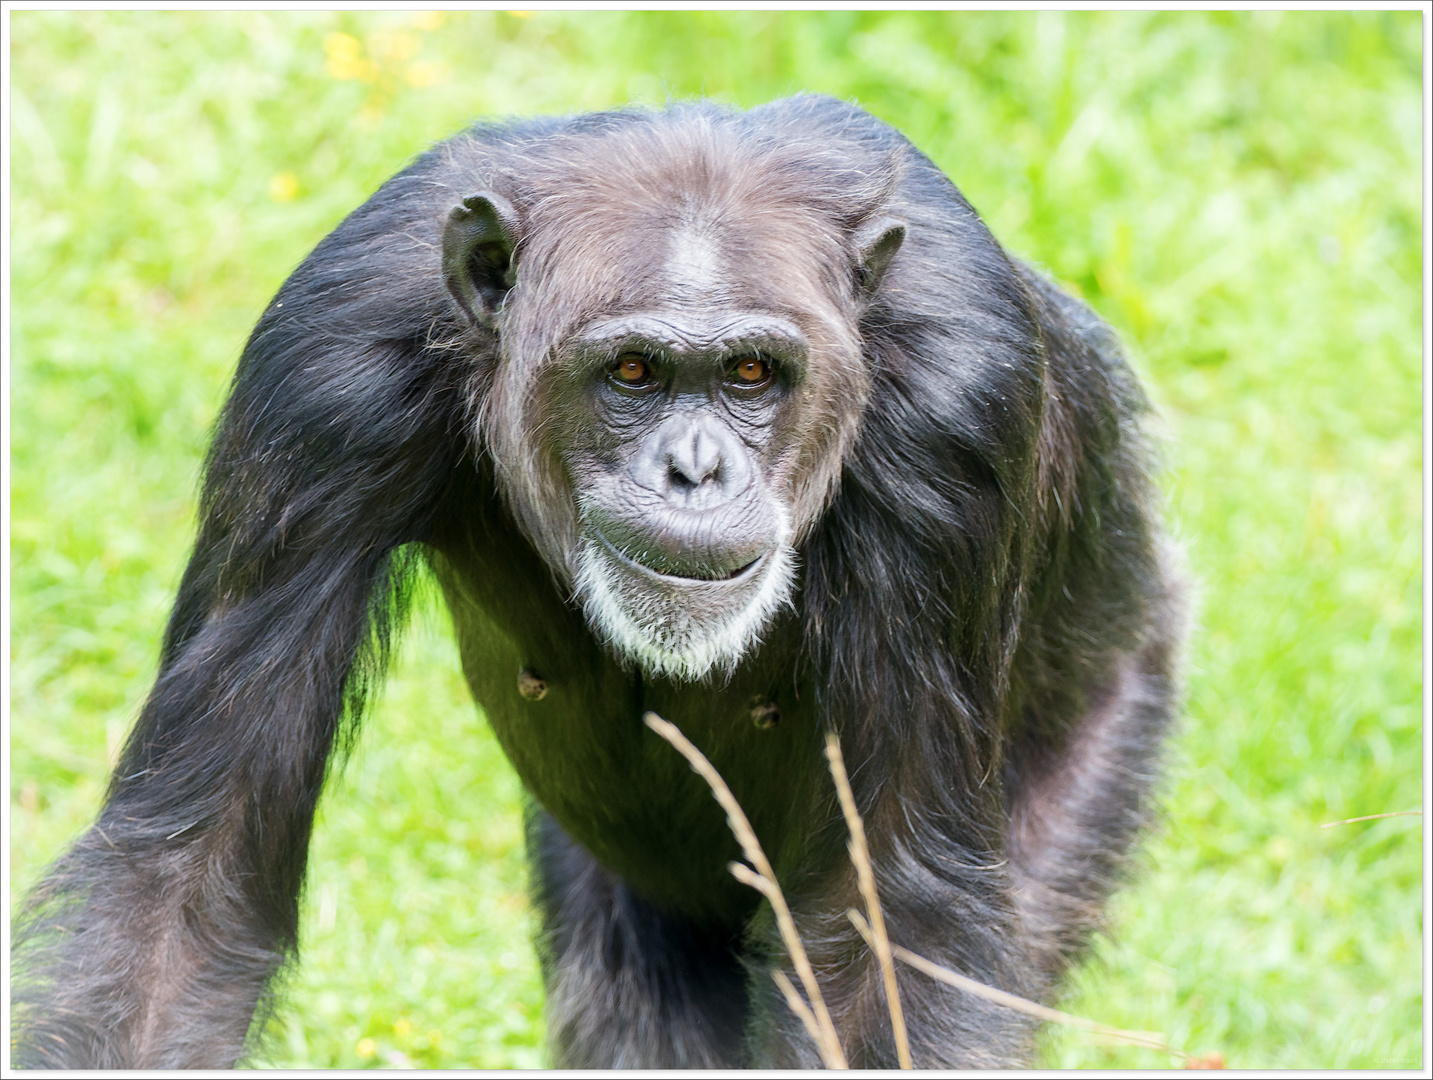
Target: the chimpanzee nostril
pixel 677 479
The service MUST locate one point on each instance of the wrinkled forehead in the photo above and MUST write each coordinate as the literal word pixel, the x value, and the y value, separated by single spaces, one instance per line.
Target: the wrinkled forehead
pixel 693 255
pixel 650 246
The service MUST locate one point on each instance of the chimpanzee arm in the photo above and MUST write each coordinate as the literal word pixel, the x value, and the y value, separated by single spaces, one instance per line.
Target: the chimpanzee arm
pixel 151 941
pixel 1001 673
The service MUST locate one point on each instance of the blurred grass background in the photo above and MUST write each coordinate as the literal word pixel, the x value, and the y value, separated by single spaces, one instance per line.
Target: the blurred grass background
pixel 1239 194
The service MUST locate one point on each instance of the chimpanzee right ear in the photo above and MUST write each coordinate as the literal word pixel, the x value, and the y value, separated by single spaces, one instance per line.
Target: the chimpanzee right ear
pixel 877 242
pixel 478 243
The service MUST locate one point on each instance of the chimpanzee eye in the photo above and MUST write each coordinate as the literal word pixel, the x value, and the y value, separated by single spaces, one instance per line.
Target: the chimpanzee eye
pixel 749 371
pixel 632 369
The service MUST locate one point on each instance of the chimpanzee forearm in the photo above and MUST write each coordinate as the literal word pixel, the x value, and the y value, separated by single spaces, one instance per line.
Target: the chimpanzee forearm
pixel 152 940
pixel 150 943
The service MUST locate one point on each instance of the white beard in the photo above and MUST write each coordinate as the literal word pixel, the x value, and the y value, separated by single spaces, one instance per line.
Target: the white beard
pixel 648 620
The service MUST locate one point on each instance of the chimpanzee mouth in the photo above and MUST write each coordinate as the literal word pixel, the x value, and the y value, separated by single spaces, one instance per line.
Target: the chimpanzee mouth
pixel 679 625
pixel 730 575
pixel 698 576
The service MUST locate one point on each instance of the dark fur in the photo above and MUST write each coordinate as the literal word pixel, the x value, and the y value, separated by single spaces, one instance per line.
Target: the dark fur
pixel 985 613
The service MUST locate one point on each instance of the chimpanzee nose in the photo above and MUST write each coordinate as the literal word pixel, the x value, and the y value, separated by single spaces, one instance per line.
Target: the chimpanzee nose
pixel 693 460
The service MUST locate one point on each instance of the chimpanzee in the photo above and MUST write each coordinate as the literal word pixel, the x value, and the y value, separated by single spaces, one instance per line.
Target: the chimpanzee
pixel 739 417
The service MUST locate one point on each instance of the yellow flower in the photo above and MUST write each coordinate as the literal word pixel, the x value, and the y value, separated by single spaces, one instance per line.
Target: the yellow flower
pixel 283 187
pixel 345 57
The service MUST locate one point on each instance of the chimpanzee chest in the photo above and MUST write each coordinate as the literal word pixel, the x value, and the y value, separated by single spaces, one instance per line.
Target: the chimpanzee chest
pixel 570 719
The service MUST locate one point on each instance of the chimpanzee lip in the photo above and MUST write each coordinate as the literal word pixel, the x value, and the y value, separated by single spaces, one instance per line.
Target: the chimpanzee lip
pixel 737 576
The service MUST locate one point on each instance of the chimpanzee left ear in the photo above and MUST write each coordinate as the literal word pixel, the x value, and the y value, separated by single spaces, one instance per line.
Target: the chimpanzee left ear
pixel 478 244
pixel 877 242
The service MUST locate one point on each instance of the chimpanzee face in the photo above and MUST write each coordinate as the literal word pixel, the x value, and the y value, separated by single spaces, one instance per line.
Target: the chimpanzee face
pixel 674 392
pixel 678 457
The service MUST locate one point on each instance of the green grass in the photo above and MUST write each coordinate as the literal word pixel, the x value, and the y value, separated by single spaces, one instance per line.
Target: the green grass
pixel 1238 193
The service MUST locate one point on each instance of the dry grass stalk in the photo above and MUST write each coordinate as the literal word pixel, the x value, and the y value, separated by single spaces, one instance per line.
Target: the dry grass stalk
pixel 769 889
pixel 866 882
pixel 1372 817
pixel 1150 1040
pixel 816 1018
pixel 797 1005
pixel 764 880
